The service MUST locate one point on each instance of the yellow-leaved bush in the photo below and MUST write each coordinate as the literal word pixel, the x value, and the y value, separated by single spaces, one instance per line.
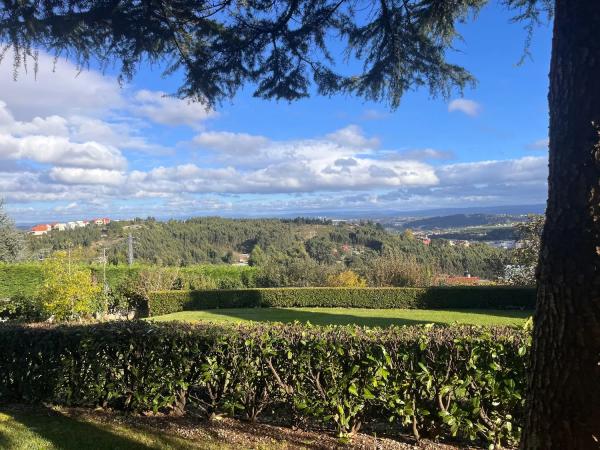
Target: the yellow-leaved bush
pixel 68 291
pixel 347 278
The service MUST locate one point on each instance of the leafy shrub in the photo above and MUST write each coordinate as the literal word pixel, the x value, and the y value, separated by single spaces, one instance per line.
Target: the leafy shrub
pixel 468 297
pixel 347 278
pixel 68 292
pixel 394 270
pixel 466 382
pixel 515 275
pixel 20 308
pixel 282 270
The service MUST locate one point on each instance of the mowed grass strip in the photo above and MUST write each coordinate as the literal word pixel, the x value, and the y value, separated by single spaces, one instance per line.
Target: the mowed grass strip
pixel 49 429
pixel 356 316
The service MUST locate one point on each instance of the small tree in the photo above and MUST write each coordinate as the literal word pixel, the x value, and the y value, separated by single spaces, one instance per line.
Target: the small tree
pixel 321 250
pixel 528 247
pixel 396 270
pixel 137 288
pixel 525 257
pixel 347 278
pixel 68 291
pixel 257 256
pixel 11 241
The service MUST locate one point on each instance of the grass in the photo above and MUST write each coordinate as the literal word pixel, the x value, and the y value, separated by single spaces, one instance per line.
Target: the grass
pixel 358 316
pixel 45 428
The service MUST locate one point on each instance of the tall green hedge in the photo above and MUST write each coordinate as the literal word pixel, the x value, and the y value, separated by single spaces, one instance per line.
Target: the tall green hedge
pixel 24 279
pixel 464 382
pixel 466 297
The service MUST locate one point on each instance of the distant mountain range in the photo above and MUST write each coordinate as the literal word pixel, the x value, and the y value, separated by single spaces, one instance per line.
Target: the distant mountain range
pixel 377 215
pixel 513 210
pixel 463 220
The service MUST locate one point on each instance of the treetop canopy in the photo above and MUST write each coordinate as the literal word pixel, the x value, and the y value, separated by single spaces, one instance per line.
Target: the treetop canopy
pixel 279 47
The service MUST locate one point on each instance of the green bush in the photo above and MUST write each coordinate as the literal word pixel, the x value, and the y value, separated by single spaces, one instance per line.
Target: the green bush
pixel 463 297
pixel 21 308
pixel 464 382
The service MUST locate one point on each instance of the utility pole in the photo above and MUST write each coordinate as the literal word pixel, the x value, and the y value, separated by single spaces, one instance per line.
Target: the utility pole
pixel 104 285
pixel 69 264
pixel 130 250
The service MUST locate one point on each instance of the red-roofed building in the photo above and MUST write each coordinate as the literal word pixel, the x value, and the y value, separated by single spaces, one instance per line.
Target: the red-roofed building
pixel 38 230
pixel 102 221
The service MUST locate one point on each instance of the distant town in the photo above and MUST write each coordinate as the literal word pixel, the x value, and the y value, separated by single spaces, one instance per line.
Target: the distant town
pixel 44 228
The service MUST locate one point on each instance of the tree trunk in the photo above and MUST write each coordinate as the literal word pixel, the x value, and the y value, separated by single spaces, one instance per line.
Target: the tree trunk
pixel 563 404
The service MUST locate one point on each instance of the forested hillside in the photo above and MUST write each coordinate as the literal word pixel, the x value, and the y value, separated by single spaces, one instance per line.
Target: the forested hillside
pixel 311 242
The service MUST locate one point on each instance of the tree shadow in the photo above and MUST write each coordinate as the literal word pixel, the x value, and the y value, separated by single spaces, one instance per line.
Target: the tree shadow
pixel 67 432
pixel 333 317
pixel 284 315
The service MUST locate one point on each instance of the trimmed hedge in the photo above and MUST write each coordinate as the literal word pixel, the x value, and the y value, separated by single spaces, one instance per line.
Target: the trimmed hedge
pixel 20 279
pixel 464 382
pixel 463 297
pixel 26 278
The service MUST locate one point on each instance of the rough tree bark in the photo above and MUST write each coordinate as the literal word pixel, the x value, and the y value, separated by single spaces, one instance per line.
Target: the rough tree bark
pixel 563 406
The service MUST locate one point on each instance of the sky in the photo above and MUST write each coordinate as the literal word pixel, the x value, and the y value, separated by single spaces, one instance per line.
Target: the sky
pixel 77 144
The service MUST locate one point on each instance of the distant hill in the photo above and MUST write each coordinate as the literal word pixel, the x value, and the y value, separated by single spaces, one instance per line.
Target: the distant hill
pixel 462 220
pixel 216 240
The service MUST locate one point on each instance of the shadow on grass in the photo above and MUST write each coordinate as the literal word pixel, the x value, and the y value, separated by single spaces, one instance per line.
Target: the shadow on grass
pixel 337 318
pixel 314 317
pixel 42 425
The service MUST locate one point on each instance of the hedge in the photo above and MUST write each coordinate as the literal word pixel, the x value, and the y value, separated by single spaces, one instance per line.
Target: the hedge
pixel 464 382
pixel 26 278
pixel 21 278
pixel 463 297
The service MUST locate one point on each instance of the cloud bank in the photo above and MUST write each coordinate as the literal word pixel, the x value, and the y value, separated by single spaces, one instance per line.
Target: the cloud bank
pixel 74 143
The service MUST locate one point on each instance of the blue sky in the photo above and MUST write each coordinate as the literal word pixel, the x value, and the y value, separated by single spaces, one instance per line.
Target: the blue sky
pixel 79 145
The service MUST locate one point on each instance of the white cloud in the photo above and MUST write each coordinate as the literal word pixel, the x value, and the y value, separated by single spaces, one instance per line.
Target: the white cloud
pixel 167 110
pixel 231 143
pixel 60 151
pixel 352 136
pixel 468 107
pixel 423 154
pixel 57 88
pixel 76 175
pixel 52 125
pixel 68 207
pixel 124 134
pixel 63 142
pixel 524 169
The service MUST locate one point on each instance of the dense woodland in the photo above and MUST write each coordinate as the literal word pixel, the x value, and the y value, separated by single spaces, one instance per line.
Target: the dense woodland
pixel 312 244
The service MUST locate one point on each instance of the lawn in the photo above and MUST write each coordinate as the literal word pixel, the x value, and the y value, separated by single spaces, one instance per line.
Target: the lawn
pixel 44 428
pixel 25 427
pixel 358 316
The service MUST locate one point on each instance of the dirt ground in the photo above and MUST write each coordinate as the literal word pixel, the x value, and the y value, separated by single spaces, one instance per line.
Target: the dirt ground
pixel 235 434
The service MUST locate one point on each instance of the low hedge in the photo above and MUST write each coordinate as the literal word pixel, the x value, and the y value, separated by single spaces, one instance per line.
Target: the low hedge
pixel 467 297
pixel 464 382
